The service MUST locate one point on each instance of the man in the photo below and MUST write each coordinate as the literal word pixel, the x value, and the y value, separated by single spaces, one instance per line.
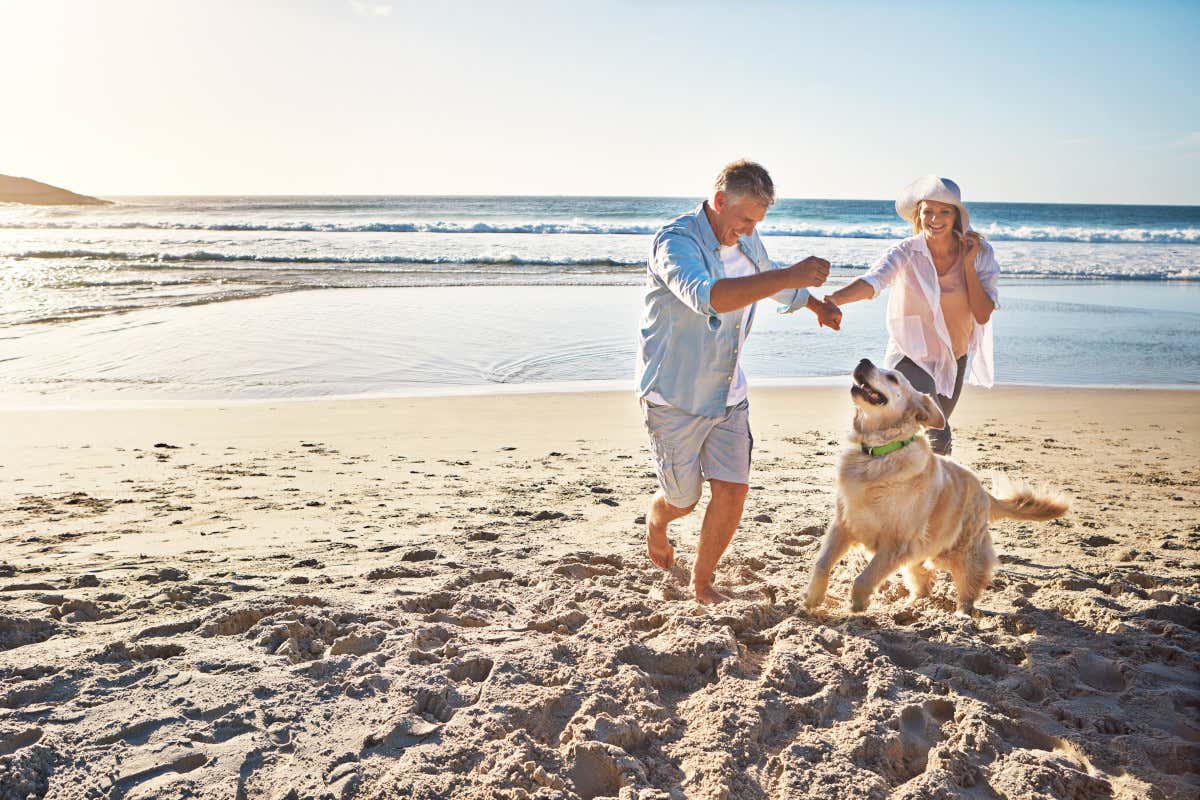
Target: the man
pixel 707 270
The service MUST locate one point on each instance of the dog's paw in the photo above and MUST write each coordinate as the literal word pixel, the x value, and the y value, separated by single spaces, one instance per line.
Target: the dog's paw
pixel 814 595
pixel 858 604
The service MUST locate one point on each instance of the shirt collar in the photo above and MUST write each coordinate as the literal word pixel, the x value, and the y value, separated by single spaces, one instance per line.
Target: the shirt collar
pixel 707 237
pixel 922 246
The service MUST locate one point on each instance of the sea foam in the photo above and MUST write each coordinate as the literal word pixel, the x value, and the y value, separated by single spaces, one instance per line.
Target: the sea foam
pixel 996 231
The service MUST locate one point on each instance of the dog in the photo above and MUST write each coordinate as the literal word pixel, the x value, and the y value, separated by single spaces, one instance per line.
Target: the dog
pixel 909 507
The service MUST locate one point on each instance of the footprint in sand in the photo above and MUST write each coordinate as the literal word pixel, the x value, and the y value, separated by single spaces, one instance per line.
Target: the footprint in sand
pixel 14 742
pixel 125 652
pixel 143 767
pixel 20 631
pixel 475 670
pixel 441 706
pixel 1099 672
pixel 432 644
pixel 428 603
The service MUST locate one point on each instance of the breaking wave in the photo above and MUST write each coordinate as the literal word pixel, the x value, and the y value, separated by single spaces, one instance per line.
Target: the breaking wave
pixel 997 231
pixel 217 261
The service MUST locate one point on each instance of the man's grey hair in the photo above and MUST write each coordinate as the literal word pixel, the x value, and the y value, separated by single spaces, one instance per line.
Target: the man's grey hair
pixel 746 179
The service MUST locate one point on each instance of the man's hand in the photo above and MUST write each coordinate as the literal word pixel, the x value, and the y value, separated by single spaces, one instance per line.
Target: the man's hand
pixel 828 314
pixel 730 294
pixel 812 271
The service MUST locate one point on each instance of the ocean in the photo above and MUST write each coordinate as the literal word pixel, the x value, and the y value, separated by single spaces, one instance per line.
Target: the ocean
pixel 133 300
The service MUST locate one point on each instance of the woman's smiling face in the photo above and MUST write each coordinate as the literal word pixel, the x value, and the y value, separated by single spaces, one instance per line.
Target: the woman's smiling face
pixel 937 219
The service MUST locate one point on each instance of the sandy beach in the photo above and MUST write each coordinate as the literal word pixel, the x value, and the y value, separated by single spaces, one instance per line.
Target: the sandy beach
pixel 449 597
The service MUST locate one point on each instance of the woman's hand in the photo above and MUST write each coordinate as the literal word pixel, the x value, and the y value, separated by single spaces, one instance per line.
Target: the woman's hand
pixel 829 315
pixel 972 243
pixel 980 303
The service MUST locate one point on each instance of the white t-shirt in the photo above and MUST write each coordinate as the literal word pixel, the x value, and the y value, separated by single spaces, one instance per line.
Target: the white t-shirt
pixel 736 265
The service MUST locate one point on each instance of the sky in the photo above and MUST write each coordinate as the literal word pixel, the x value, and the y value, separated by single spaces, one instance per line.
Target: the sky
pixel 1044 102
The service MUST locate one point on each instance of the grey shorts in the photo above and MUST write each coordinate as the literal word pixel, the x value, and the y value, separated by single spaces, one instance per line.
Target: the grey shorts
pixel 689 450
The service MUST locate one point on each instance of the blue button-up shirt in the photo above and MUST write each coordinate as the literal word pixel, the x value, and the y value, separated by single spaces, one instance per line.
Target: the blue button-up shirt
pixel 688 352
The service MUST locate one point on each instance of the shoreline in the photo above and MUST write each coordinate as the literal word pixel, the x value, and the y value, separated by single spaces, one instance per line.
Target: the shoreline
pixel 500 391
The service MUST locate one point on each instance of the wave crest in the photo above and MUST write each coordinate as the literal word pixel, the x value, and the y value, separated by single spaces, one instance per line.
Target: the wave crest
pixel 215 261
pixel 1003 232
pixel 203 256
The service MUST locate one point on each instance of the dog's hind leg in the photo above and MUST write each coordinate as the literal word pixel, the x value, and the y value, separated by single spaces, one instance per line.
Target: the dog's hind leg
pixel 917 579
pixel 973 572
pixel 885 562
pixel 836 543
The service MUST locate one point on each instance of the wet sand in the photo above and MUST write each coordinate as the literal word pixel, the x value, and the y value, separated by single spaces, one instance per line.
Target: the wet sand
pixel 449 597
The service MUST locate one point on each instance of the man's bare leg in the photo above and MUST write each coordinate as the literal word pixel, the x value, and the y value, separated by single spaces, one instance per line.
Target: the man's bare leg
pixel 661 515
pixel 720 522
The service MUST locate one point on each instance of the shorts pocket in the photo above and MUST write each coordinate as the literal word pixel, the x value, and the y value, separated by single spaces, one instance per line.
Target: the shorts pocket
pixel 681 479
pixel 664 467
pixel 652 415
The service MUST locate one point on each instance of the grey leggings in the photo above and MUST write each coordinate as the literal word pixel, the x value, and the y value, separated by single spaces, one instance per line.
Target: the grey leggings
pixel 923 382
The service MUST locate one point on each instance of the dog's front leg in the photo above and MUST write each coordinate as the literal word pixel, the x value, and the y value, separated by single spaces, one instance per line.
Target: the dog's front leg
pixel 836 543
pixel 885 562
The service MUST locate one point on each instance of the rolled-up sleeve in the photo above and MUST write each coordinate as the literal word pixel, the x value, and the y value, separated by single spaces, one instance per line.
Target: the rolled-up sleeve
pixel 880 276
pixel 679 264
pixel 789 299
pixel 988 270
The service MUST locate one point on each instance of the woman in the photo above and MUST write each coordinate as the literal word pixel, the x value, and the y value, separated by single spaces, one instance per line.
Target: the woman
pixel 943 295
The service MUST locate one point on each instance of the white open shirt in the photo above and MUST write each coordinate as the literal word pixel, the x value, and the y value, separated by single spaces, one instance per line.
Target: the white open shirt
pixel 916 326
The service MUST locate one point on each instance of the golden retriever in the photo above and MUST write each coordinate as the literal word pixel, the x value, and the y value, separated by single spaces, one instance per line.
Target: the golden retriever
pixel 910 507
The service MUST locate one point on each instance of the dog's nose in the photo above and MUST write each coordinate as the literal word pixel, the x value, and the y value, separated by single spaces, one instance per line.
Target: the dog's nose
pixel 865 363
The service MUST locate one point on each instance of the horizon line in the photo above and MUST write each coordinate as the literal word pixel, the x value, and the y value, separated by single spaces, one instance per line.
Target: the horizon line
pixel 624 197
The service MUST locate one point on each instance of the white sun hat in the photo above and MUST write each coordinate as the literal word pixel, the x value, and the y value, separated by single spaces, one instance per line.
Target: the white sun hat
pixel 931 187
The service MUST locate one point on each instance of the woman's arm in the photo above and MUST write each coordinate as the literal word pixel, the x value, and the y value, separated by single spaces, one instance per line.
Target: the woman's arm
pixel 856 290
pixel 977 298
pixel 873 281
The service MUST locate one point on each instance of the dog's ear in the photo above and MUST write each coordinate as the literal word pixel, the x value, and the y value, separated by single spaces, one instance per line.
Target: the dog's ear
pixel 929 413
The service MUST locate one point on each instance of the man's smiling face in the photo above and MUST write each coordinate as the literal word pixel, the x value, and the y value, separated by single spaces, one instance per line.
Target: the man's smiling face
pixel 734 217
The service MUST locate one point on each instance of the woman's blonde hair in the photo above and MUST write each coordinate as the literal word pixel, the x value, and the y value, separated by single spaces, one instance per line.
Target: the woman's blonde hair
pixel 916 219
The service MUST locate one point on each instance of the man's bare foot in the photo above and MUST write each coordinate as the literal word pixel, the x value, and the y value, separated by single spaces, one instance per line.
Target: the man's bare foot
pixel 708 596
pixel 658 547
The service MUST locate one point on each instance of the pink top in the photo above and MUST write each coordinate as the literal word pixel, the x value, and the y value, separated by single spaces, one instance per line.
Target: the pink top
pixel 956 309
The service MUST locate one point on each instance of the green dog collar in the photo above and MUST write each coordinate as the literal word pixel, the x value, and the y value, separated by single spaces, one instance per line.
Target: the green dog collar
pixel 890 447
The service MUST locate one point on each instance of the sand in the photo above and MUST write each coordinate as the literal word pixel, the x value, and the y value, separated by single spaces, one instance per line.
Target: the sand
pixel 449 598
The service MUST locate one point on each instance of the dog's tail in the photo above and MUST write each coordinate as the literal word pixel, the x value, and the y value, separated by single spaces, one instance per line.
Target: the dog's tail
pixel 1021 501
